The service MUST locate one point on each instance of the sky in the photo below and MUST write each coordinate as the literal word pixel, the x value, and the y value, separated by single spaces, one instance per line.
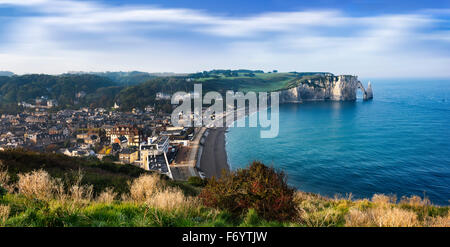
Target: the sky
pixel 369 38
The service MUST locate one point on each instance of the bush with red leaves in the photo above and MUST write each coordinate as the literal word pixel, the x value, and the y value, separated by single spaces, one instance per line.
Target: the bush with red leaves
pixel 259 187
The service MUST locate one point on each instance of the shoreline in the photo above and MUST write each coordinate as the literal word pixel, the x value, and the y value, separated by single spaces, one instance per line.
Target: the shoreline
pixel 213 159
pixel 213 155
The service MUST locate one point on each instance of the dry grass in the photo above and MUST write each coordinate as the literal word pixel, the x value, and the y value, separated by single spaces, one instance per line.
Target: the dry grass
pixel 4 214
pixel 37 184
pixel 40 185
pixel 380 211
pixel 381 217
pixel 151 190
pixel 382 214
pixel 320 218
pixel 313 210
pixel 301 196
pixel 59 191
pixel 438 221
pixel 4 178
pixel 144 187
pixel 107 196
pixel 383 200
pixel 171 199
pixel 415 201
pixel 80 193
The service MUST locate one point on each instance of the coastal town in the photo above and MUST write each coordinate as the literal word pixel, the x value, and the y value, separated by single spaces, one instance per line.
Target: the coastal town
pixel 144 138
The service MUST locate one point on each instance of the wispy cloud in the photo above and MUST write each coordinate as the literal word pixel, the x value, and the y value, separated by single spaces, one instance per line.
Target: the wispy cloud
pixel 57 36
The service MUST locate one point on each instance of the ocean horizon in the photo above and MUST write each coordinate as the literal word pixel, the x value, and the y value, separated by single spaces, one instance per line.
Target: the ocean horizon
pixel 397 143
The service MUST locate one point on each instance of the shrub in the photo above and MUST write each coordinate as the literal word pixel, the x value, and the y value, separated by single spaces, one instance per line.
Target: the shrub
pixel 79 192
pixel 107 196
pixel 37 184
pixel 196 181
pixel 259 187
pixel 99 174
pixel 3 191
pixel 144 187
pixel 110 158
pixel 170 199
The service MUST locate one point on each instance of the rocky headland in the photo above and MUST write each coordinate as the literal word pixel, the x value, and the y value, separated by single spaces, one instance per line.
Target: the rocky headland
pixel 326 87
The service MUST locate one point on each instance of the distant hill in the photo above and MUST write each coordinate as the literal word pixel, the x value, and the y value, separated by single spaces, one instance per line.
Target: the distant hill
pixel 134 89
pixel 145 93
pixel 6 73
pixel 122 78
pixel 215 80
pixel 63 88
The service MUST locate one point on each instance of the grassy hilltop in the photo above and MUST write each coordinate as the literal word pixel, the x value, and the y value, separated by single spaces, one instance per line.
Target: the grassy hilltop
pixel 46 190
pixel 216 80
pixel 134 89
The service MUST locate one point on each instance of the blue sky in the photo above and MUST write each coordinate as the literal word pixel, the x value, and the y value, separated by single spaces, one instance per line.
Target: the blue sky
pixel 370 38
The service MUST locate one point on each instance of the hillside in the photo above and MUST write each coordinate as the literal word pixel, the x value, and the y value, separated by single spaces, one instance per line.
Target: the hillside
pixel 99 174
pixel 215 80
pixel 6 73
pixel 122 196
pixel 63 88
pixel 248 80
pixel 134 89
pixel 122 78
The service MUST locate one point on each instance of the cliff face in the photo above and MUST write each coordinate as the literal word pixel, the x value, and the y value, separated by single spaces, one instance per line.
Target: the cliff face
pixel 329 87
pixel 369 93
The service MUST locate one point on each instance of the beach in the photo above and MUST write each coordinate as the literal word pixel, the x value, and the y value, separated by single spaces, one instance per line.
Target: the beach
pixel 214 156
pixel 213 153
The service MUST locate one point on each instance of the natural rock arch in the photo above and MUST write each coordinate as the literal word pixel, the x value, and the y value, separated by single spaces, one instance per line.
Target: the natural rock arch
pixel 367 94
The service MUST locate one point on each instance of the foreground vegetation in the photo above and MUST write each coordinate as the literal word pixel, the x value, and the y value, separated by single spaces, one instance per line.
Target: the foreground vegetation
pixel 257 196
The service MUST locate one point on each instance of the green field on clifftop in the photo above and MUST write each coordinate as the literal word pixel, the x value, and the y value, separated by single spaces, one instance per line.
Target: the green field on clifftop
pixel 135 89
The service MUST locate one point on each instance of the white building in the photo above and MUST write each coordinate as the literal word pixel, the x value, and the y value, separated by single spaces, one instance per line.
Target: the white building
pixel 154 155
pixel 163 96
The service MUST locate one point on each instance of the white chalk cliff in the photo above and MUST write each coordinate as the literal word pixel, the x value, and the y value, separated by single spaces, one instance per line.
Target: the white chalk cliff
pixel 326 87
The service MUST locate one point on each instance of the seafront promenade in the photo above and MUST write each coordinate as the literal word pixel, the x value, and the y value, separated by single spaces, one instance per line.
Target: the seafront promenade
pixel 206 152
pixel 185 165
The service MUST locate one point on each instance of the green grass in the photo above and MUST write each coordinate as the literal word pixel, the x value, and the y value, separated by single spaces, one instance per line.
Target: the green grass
pixel 54 213
pixel 99 174
pixel 16 209
pixel 261 82
pixel 318 212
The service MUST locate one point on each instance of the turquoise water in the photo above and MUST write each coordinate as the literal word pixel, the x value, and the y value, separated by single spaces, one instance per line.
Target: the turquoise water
pixel 399 143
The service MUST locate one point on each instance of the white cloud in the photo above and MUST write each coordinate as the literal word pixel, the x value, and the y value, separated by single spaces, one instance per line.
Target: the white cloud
pixel 70 35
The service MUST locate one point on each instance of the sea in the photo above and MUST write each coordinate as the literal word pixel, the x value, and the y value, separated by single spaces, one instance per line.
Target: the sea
pixel 396 144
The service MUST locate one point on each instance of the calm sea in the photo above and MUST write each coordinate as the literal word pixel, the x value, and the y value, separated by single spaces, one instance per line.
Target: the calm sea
pixel 398 143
